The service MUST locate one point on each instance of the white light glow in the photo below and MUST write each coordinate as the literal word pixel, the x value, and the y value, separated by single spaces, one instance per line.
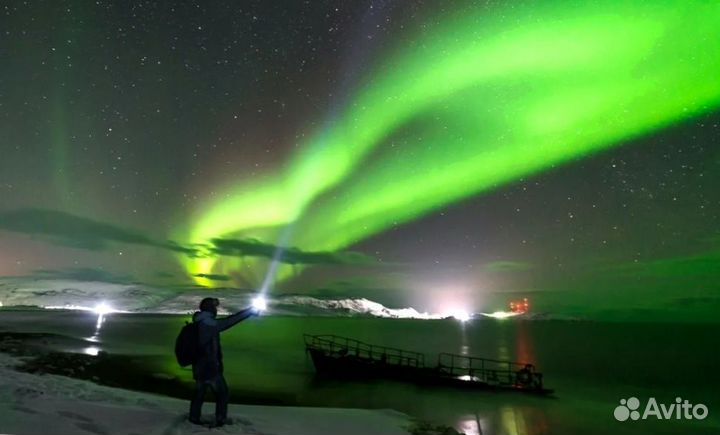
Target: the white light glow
pixel 500 314
pixel 259 303
pixel 471 425
pixel 102 309
pixel 461 315
pixel 457 314
pixel 92 351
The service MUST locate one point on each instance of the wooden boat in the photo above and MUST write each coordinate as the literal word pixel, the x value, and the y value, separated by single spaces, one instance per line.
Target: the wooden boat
pixel 344 357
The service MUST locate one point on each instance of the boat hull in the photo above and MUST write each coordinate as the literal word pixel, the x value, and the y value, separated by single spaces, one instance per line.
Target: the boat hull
pixel 352 367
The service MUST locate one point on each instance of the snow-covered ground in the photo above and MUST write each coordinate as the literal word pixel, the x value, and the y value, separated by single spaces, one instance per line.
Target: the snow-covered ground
pixel 35 404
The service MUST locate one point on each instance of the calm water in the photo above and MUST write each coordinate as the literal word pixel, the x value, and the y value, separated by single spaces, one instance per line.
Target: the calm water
pixel 590 365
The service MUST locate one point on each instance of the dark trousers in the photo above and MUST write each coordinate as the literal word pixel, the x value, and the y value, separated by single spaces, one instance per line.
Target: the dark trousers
pixel 219 387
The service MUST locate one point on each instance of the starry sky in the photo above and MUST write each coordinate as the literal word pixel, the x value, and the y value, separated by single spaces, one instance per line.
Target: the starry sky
pixel 416 153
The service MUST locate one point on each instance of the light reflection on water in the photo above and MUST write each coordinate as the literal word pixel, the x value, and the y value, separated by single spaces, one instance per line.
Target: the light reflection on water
pixel 503 351
pixel 513 421
pixel 523 346
pixel 508 419
pixel 470 425
pixel 95 338
pixel 265 358
pixel 464 347
pixel 92 351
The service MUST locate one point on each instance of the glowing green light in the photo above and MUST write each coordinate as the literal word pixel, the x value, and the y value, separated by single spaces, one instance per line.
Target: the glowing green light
pixel 482 100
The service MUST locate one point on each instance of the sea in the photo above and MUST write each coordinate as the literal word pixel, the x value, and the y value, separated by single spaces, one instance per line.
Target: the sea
pixel 594 368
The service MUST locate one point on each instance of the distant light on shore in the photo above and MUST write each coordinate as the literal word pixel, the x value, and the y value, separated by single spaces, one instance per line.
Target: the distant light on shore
pixel 102 309
pixel 92 351
pixel 457 314
pixel 500 314
pixel 461 315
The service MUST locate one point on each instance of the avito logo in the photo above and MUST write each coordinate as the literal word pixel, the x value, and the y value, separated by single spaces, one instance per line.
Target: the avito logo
pixel 680 410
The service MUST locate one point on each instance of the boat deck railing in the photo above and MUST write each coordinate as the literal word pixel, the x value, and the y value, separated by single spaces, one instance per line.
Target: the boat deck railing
pixel 490 371
pixel 338 346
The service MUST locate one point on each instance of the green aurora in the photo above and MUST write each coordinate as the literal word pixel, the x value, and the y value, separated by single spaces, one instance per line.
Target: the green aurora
pixel 476 102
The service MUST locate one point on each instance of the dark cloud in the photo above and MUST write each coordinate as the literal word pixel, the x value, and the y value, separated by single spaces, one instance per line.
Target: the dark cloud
pixel 190 251
pixel 289 255
pixel 70 230
pixel 78 232
pixel 213 276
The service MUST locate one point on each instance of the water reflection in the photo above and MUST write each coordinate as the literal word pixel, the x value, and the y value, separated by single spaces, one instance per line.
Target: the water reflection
pixel 100 321
pixel 95 338
pixel 281 372
pixel 464 348
pixel 523 346
pixel 505 419
pixel 92 351
pixel 512 421
pixel 511 342
pixel 503 351
pixel 471 425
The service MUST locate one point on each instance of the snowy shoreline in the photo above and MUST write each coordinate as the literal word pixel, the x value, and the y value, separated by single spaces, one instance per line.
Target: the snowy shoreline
pixel 29 293
pixel 139 298
pixel 31 404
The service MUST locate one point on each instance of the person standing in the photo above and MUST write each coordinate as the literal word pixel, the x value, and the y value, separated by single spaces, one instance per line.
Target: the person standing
pixel 208 367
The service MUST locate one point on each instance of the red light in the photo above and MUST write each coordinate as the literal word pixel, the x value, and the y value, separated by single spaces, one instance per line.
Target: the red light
pixel 520 306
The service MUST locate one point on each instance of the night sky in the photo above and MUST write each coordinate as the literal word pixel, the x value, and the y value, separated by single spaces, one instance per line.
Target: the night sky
pixel 414 153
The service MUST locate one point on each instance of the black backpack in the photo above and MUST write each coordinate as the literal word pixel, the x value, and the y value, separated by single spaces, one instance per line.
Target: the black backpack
pixel 187 344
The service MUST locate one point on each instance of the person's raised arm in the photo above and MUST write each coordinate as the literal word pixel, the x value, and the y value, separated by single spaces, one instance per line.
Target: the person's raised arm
pixel 234 319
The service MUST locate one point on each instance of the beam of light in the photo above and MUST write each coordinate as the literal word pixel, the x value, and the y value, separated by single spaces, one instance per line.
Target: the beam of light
pixel 275 262
pixel 481 100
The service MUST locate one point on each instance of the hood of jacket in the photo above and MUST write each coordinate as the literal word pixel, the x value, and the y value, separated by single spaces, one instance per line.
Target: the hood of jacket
pixel 204 317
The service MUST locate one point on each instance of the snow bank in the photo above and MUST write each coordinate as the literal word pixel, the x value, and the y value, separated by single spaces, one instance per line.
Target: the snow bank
pixel 47 293
pixel 32 404
pixel 354 306
pixel 72 293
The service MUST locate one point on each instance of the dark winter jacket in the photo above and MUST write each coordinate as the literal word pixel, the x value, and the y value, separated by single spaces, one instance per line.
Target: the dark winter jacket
pixel 209 364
